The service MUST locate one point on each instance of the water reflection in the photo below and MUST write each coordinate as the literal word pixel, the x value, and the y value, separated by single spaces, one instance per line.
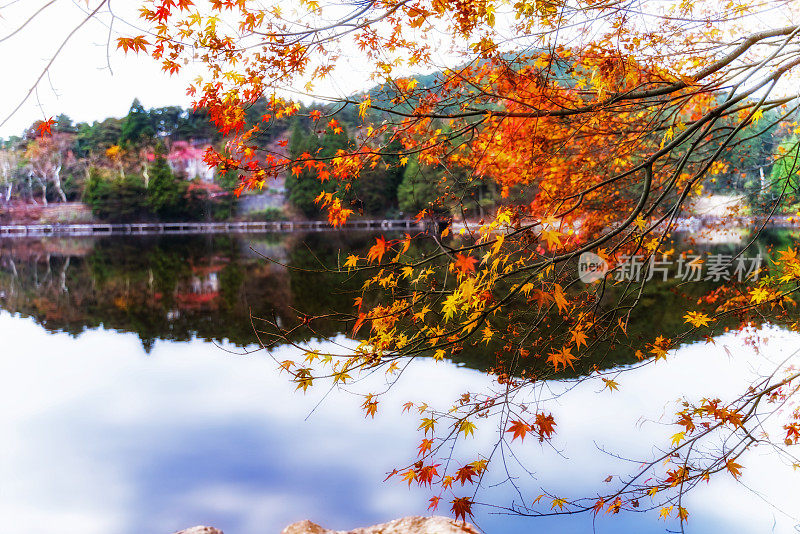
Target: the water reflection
pixel 178 288
pixel 100 437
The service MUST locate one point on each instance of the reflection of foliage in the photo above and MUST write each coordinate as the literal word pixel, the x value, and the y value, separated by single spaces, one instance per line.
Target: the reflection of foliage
pixel 163 288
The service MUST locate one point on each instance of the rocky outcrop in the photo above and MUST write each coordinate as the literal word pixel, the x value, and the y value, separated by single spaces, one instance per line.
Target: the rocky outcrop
pixel 200 530
pixel 406 525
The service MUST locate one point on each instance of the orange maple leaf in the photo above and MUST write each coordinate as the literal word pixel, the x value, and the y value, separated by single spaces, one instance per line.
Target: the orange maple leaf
pixel 519 428
pixel 44 127
pixel 465 264
pixel 734 468
pixel 377 250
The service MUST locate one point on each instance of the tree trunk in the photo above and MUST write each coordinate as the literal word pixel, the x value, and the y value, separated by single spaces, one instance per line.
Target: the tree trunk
pixel 57 183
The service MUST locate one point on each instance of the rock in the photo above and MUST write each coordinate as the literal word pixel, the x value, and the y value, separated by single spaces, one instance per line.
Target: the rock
pixel 200 530
pixel 406 525
pixel 305 527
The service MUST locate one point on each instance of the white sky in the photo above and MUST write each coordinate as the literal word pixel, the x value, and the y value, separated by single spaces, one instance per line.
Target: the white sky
pixel 80 84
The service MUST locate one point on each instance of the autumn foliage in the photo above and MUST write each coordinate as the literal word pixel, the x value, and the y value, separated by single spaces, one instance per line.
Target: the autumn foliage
pixel 596 130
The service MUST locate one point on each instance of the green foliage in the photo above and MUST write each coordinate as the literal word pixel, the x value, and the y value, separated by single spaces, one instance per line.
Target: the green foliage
pixel 419 188
pixel 165 192
pixel 97 137
pixel 267 214
pixel 375 191
pixel 784 180
pixel 111 197
pixel 137 125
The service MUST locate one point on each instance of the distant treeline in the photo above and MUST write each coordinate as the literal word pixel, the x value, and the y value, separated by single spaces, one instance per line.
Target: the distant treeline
pixel 148 165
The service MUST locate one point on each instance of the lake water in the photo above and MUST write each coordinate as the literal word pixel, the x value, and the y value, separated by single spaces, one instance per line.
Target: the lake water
pixel 133 399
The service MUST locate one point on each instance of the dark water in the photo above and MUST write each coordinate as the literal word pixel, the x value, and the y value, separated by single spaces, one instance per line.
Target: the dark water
pixel 134 399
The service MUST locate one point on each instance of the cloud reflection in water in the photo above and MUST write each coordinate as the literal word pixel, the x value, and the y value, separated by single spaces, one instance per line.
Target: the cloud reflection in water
pixel 100 438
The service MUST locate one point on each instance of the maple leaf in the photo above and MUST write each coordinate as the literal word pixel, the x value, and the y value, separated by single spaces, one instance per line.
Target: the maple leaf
pixel 362 317
pixel 759 295
pixel 553 238
pixel 427 424
pixel 352 261
pixel 315 115
pixel 304 379
pixel 465 264
pixel 426 474
pixel 377 250
pixel 560 299
pixel 461 507
pixel 370 406
pixel 562 357
pixel 464 474
pixel 488 333
pixel 434 503
pixel 45 127
pixel 610 384
pixel 578 337
pixel 697 319
pixel 519 428
pixel 137 44
pixel 467 427
pixel 734 468
pixel 558 502
pixel 683 514
pixel 545 425
pixel 425 447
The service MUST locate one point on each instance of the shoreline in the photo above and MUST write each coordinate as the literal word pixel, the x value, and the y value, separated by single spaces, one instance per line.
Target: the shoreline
pixel 189 228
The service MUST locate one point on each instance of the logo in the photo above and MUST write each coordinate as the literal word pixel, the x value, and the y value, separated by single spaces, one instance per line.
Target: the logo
pixel 591 267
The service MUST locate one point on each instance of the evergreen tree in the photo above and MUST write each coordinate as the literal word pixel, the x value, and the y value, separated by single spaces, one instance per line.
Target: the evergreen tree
pixel 137 125
pixel 165 192
pixel 418 189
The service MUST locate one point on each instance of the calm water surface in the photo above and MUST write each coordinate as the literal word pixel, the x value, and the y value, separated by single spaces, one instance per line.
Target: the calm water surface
pixel 133 400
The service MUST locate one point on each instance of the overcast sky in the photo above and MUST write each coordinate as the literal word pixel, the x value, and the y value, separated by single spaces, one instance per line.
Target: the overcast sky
pixel 80 83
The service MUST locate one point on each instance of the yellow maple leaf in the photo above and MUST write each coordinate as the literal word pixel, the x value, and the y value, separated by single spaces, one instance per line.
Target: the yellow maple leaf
pixel 352 261
pixel 697 319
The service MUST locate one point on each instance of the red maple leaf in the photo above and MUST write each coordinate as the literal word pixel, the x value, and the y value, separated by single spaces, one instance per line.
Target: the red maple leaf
pixel 44 127
pixel 465 474
pixel 544 425
pixel 462 507
pixel 465 264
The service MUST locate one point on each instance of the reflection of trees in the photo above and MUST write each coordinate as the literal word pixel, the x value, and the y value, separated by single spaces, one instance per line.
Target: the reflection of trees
pixel 171 288
pixel 180 287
